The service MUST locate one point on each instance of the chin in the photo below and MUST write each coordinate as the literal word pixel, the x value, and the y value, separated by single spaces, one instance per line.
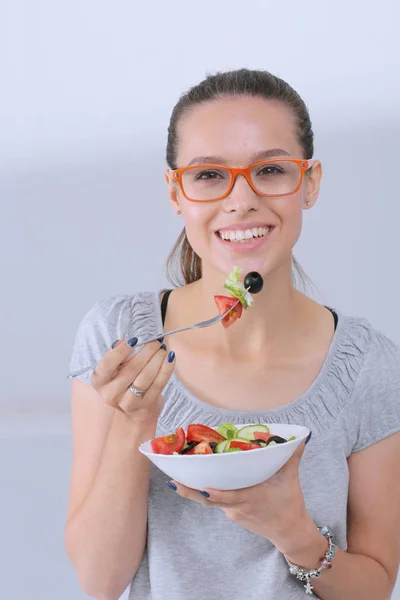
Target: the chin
pixel 247 265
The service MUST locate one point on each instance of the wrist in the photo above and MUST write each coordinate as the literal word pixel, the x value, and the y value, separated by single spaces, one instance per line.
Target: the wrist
pixel 133 432
pixel 307 547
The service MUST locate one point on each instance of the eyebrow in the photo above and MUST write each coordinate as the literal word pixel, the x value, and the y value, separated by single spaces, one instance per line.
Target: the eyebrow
pixel 258 156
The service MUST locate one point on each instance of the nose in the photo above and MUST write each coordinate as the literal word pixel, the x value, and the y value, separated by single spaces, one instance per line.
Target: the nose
pixel 242 198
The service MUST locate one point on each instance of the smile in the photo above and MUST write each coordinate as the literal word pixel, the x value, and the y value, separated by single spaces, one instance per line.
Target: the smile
pixel 243 235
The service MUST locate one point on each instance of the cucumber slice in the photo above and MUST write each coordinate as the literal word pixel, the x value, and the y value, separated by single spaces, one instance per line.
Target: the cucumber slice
pixel 220 447
pixel 292 438
pixel 273 444
pixel 227 447
pixel 234 450
pixel 249 431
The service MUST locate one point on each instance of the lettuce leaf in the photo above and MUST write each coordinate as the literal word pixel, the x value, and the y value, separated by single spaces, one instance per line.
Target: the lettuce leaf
pixel 228 430
pixel 235 287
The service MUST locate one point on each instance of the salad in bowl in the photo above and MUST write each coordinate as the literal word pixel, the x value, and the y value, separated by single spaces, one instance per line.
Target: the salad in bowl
pixel 227 457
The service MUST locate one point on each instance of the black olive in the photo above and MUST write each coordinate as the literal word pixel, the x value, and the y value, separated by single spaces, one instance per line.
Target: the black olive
pixel 276 438
pixel 188 447
pixel 212 445
pixel 257 442
pixel 254 281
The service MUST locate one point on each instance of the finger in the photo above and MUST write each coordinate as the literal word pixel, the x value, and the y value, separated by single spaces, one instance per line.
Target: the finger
pixel 153 395
pixel 150 371
pixel 228 497
pixel 109 363
pixel 190 493
pixel 292 465
pixel 134 366
pixel 163 376
pixel 129 402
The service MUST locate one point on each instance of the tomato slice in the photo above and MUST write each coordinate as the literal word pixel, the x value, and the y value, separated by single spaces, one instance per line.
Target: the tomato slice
pixel 202 433
pixel 262 435
pixel 168 444
pixel 202 448
pixel 224 303
pixel 243 445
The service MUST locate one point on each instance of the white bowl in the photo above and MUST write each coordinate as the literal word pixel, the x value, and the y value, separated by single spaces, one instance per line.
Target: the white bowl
pixel 232 470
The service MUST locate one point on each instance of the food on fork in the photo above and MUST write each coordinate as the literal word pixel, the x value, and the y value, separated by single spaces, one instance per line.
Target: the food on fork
pixel 253 282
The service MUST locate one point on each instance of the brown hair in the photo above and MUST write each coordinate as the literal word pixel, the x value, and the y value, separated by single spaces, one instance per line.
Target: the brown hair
pixel 183 265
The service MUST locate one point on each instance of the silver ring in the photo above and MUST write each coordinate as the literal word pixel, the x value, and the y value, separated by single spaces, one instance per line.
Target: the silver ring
pixel 136 391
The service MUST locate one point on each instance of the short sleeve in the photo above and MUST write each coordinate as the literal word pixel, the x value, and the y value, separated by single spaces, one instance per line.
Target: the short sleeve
pixel 107 321
pixel 374 408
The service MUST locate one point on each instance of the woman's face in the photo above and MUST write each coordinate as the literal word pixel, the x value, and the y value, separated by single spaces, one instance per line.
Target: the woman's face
pixel 236 129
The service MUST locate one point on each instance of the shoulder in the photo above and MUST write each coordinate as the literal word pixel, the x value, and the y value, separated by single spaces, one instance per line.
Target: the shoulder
pixel 114 311
pixel 375 348
pixel 110 319
pixel 381 363
pixel 373 411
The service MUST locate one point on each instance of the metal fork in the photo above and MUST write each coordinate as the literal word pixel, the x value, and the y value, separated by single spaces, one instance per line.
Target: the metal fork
pixel 200 325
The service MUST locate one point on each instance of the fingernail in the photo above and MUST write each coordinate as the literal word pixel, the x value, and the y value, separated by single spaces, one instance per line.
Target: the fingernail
pixel 308 438
pixel 171 486
pixel 205 494
pixel 163 347
pixel 132 342
pixel 171 356
pixel 114 344
pixel 160 339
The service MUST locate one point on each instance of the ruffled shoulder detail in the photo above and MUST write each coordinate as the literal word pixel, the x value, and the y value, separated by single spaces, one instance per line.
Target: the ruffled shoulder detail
pixel 316 409
pixel 110 319
pixel 373 412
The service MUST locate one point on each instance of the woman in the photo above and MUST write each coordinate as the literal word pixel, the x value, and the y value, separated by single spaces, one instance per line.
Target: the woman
pixel 287 360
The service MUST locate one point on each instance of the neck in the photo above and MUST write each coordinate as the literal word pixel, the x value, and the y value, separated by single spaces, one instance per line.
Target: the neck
pixel 268 325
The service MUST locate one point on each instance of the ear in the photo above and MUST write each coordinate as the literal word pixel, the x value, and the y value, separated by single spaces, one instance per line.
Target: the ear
pixel 313 185
pixel 172 191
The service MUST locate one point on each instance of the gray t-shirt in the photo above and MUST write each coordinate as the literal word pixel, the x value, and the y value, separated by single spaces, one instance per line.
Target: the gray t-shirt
pixel 193 551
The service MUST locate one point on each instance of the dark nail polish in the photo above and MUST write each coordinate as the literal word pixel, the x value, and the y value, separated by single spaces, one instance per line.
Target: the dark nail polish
pixel 171 486
pixel 132 342
pixel 163 347
pixel 308 438
pixel 114 344
pixel 160 339
pixel 171 356
pixel 205 494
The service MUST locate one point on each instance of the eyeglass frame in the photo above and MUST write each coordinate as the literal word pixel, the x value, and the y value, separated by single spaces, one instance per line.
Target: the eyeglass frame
pixel 303 164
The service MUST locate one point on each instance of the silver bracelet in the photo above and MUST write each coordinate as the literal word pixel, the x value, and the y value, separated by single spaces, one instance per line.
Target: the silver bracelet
pixel 326 563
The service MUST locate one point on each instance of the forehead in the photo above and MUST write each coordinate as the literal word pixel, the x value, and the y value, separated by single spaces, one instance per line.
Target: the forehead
pixel 236 128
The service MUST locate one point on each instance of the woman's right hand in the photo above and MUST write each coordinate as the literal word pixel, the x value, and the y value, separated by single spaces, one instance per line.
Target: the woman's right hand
pixel 148 369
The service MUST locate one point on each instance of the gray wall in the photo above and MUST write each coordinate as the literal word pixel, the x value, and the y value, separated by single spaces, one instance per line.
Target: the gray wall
pixel 86 97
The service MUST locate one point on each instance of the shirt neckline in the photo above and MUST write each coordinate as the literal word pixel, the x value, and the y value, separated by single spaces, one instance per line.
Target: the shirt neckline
pixel 323 373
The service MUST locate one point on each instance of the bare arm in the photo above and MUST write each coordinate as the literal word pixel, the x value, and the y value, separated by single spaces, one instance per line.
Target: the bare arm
pixel 107 516
pixel 368 569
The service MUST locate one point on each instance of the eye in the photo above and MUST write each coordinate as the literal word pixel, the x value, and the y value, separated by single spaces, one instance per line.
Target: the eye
pixel 208 175
pixel 271 170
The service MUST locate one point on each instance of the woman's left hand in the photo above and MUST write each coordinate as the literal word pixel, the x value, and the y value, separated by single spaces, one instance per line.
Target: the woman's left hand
pixel 273 509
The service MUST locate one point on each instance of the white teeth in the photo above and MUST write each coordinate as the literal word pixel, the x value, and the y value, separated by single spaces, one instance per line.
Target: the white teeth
pixel 243 235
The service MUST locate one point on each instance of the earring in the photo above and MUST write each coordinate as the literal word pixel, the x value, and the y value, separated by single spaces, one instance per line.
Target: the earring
pixel 308 203
pixel 178 212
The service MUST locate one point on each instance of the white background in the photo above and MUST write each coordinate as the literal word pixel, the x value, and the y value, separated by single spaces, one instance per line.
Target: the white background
pixel 87 91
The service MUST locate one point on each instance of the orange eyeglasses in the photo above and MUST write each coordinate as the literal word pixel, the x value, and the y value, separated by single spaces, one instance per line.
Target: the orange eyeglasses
pixel 210 182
